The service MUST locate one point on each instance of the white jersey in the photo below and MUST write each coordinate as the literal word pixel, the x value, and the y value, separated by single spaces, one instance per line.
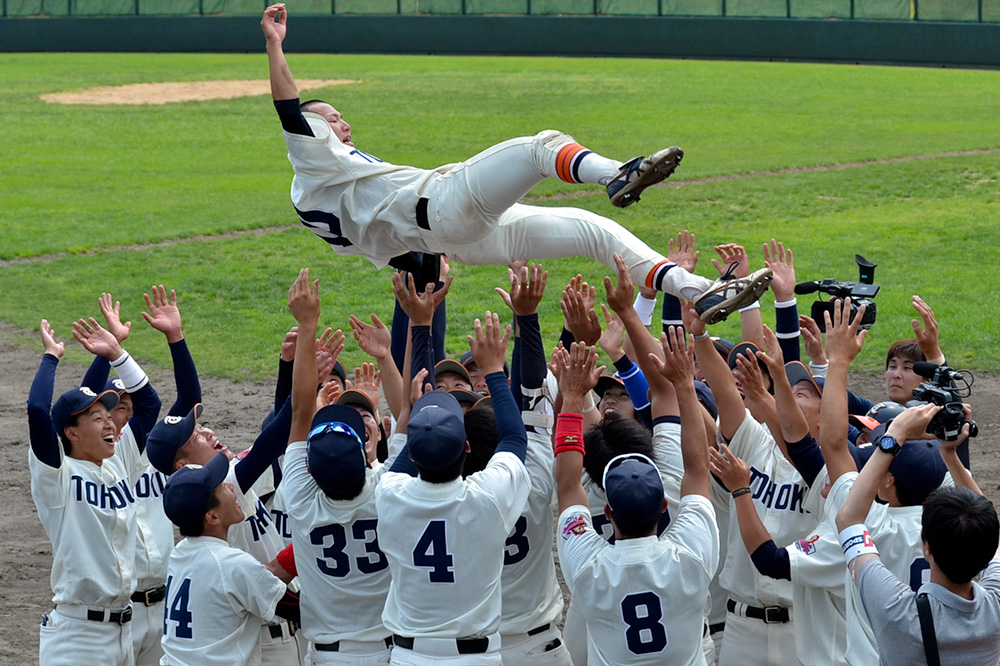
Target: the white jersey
pixel 256 534
pixel 643 599
pixel 445 545
pixel 344 193
pixel 343 574
pixel 273 497
pixel 779 495
pixel 531 594
pixel 155 531
pixel 89 514
pixel 896 533
pixel 217 599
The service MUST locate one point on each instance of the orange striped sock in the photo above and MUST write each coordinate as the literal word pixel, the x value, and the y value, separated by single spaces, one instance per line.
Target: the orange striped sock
pixel 654 279
pixel 568 162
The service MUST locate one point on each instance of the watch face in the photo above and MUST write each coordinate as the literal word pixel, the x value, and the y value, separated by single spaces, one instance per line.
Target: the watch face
pixel 888 443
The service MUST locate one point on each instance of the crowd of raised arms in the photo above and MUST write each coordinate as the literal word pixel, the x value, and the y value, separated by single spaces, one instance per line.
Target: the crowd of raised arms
pixel 710 501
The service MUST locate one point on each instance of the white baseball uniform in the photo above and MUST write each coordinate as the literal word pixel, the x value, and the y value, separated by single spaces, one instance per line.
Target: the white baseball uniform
pixel 363 206
pixel 643 599
pixel 343 573
pixel 532 600
pixel 779 495
pixel 274 500
pixel 896 533
pixel 445 545
pixel 217 598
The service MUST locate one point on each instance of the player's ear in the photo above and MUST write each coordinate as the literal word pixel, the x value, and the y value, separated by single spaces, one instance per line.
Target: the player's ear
pixel 607 512
pixel 468 447
pixel 664 508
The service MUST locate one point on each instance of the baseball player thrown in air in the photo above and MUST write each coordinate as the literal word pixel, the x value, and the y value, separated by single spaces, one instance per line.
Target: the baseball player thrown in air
pixel 444 536
pixel 362 205
pixel 217 596
pixel 644 596
pixel 82 483
pixel 329 490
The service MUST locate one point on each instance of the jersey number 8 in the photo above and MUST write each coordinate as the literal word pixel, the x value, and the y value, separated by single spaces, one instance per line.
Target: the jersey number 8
pixel 645 633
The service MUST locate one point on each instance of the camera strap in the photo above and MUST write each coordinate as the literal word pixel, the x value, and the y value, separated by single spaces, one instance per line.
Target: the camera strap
pixel 927 630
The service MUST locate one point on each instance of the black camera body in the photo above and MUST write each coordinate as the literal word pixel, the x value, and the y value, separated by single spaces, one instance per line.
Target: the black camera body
pixel 941 390
pixel 860 293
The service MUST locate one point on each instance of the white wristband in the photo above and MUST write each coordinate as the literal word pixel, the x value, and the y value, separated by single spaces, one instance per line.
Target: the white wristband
pixel 132 376
pixel 855 541
pixel 786 304
pixel 753 306
pixel 644 308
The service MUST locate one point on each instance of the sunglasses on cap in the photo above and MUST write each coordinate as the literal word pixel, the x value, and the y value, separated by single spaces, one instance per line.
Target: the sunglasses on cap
pixel 335 426
pixel 619 459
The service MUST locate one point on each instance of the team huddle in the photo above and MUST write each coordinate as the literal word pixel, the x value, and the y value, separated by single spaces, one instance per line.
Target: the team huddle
pixel 708 502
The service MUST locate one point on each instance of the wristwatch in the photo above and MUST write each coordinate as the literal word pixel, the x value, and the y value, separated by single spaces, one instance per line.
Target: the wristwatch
pixel 888 444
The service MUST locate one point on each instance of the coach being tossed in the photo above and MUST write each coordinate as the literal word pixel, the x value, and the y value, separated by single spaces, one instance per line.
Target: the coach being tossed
pixel 443 535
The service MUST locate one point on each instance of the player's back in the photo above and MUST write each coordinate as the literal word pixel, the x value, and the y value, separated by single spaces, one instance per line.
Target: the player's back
pixel 445 546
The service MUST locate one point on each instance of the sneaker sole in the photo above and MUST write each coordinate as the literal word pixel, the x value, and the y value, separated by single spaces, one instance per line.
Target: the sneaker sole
pixel 659 171
pixel 751 293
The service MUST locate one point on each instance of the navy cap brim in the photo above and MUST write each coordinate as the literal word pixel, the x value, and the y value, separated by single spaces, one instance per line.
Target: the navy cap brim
pixel 356 398
pixel 797 372
pixel 168 436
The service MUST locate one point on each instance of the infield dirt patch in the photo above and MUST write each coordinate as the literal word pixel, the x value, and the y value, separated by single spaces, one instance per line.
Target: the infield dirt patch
pixel 168 92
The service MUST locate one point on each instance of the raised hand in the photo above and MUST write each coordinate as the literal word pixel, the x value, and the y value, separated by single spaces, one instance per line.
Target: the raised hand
pixel 620 296
pixel 111 310
pixel 274 23
pixel 328 394
pixel 489 345
pixel 750 378
pixel 578 310
pixel 731 470
pixel 579 372
pixel 773 358
pixel 527 286
pixel 812 339
pixel 682 251
pixel 288 344
pixel 927 335
pixel 96 340
pixel 611 339
pixel 332 342
pixel 779 260
pixel 418 306
pixel 52 347
pixel 418 387
pixel 303 299
pixel 730 253
pixel 692 322
pixel 677 364
pixel 843 341
pixel 374 339
pixel 164 315
pixel 368 381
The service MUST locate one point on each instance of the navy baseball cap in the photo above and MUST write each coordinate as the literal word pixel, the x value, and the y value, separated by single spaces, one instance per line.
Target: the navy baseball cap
pixel 467 360
pixel 79 400
pixel 797 372
pixel 917 467
pixel 706 398
pixel 436 432
pixel 335 449
pixel 747 349
pixel 340 371
pixel 168 436
pixel 451 365
pixel 187 491
pixel 634 490
pixel 357 398
pixel 723 347
pixel 116 385
pixel 467 397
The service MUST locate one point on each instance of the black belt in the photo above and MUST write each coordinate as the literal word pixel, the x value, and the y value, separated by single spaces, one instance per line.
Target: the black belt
pixel 716 628
pixel 769 615
pixel 150 597
pixel 464 645
pixel 275 630
pixel 538 630
pixel 114 617
pixel 422 221
pixel 335 647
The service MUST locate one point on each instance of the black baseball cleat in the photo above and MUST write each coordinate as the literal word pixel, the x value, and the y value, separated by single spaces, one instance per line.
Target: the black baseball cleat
pixel 728 294
pixel 641 172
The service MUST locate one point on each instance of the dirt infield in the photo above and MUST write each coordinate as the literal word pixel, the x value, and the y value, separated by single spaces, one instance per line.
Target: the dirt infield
pixel 26 555
pixel 169 92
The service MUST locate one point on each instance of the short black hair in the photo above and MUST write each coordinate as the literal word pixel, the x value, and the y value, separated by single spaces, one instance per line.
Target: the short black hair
pixel 961 530
pixel 311 102
pixel 71 422
pixel 349 493
pixel 481 432
pixel 196 529
pixel 611 436
pixel 907 350
pixel 447 474
pixel 637 531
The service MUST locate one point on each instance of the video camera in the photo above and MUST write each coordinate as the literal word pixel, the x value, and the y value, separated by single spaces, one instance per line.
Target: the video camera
pixel 860 293
pixel 943 389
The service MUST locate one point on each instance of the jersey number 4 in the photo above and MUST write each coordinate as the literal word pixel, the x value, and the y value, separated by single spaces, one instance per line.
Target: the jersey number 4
pixel 431 552
pixel 642 613
pixel 176 609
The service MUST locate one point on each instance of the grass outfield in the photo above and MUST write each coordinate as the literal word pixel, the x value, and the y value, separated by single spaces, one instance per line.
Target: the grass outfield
pixel 89 183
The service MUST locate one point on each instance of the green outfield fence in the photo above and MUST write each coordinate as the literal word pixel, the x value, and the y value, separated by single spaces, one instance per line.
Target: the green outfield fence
pixel 975 11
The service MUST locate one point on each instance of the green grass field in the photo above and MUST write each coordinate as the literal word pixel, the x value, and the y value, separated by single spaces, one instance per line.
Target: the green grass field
pixel 83 186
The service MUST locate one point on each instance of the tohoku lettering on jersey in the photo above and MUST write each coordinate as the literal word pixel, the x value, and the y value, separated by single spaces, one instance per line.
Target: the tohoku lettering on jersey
pixel 783 497
pixel 102 496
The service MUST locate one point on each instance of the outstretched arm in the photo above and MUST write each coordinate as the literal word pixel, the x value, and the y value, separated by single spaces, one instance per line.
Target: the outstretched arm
pixel 577 376
pixel 843 343
pixel 41 430
pixel 275 26
pixel 303 301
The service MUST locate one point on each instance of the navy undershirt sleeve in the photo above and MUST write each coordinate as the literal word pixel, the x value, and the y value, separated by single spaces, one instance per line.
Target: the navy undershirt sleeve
pixel 283 387
pixel 185 378
pixel 513 437
pixel 807 457
pixel 97 374
pixel 145 411
pixel 292 120
pixel 41 431
pixel 422 353
pixel 270 444
pixel 786 322
pixel 772 561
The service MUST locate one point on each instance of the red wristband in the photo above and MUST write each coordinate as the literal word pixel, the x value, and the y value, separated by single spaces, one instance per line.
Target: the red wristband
pixel 286 558
pixel 569 433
